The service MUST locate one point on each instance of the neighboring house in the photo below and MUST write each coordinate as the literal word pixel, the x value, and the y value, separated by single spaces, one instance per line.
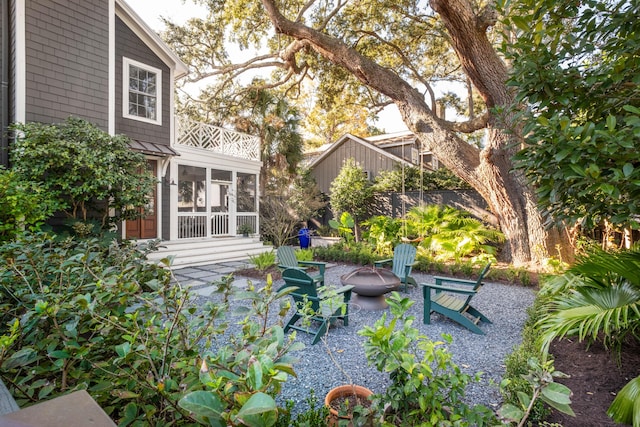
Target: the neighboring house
pixel 374 154
pixel 97 60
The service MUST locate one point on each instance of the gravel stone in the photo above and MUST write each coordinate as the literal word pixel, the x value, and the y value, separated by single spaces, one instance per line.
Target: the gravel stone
pixel 505 305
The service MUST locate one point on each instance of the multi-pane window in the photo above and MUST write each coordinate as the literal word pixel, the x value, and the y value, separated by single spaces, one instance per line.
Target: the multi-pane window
pixel 142 92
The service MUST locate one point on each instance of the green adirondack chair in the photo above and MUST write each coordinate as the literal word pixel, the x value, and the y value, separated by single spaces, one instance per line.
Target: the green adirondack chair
pixel 404 256
pixel 455 302
pixel 287 259
pixel 326 307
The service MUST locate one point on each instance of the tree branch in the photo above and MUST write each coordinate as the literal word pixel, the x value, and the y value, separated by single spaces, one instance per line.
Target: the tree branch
pixel 432 132
pixel 479 59
pixel 470 126
pixel 364 69
pixel 408 64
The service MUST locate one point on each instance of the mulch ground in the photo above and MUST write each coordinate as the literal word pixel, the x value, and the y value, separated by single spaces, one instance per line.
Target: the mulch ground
pixel 595 378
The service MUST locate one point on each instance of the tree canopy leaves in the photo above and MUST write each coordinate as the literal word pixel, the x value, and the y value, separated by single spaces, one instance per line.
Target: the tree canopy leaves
pixel 577 67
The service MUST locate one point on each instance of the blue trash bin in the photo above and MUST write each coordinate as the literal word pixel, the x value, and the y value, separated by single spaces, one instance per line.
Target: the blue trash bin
pixel 305 238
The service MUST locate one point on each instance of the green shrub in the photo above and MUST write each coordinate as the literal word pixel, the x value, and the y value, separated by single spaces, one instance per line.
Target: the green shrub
pixel 516 363
pixel 244 374
pixel 427 387
pixel 304 254
pixel 315 416
pixel 24 205
pixel 383 233
pixel 451 234
pixel 95 314
pixel 263 261
pixel 359 253
pixel 351 192
pixel 87 171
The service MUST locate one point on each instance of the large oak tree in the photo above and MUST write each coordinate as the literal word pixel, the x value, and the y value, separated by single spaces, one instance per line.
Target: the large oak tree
pixel 389 51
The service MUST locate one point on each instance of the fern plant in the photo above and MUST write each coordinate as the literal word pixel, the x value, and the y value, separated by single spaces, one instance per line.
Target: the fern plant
pixel 263 261
pixel 447 233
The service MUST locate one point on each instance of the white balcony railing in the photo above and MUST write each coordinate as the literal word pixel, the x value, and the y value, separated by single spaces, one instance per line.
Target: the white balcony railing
pixel 217 139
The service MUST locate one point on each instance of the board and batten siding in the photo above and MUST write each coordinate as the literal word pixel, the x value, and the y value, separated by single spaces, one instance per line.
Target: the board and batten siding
pixel 402 151
pixel 370 160
pixel 129 45
pixel 67 60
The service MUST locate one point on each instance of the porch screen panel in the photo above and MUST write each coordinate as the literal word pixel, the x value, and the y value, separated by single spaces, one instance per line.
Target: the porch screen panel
pixel 247 206
pixel 219 190
pixel 247 192
pixel 192 197
pixel 192 192
pixel 220 184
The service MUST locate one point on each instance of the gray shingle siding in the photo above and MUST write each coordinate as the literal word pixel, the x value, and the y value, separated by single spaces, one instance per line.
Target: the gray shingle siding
pixel 4 81
pixel 130 46
pixel 67 60
pixel 166 210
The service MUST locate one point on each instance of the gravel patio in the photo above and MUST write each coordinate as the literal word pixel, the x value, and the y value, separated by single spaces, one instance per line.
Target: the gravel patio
pixel 506 306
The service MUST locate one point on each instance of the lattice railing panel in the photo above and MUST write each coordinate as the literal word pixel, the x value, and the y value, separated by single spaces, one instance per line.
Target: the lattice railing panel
pixel 217 139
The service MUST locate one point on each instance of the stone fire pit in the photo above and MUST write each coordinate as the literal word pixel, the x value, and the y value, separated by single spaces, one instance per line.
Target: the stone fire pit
pixel 370 284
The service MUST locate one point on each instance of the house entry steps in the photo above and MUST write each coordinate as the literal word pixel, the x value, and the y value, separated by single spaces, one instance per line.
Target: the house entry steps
pixel 194 252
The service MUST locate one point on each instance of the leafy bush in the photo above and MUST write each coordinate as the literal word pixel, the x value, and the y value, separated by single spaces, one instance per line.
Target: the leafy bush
pixel 351 192
pixel 598 298
pixel 383 232
pixel 354 253
pixel 411 179
pixel 516 364
pixel 96 315
pixel 82 305
pixel 315 416
pixel 304 254
pixel 242 376
pixel 426 387
pixel 84 169
pixel 344 227
pixel 23 205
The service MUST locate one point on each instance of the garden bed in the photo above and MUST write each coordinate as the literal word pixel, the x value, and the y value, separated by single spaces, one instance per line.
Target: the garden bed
pixel 595 379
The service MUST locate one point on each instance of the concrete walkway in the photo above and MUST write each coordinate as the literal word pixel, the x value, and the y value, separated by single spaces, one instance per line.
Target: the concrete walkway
pixel 199 278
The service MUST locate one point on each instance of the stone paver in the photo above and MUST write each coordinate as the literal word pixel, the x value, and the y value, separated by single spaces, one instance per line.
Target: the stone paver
pixel 199 278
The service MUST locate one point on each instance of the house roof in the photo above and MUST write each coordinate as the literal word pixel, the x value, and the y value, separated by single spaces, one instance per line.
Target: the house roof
pixel 363 141
pixel 155 43
pixel 152 148
pixel 393 139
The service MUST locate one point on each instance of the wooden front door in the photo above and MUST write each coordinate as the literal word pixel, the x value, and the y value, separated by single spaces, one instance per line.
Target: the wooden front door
pixel 147 226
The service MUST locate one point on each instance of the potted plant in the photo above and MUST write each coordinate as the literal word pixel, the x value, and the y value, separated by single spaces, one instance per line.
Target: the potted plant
pixel 349 405
pixel 245 229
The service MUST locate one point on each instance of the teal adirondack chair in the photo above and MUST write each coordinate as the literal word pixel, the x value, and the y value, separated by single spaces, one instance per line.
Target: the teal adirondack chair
pixel 287 259
pixel 455 302
pixel 404 256
pixel 325 310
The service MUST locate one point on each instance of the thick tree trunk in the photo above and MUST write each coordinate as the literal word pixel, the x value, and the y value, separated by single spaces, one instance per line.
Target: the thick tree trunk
pixel 490 170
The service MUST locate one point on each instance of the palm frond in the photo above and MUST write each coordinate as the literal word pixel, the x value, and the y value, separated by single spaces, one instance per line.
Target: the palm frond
pixel 604 268
pixel 625 408
pixel 587 312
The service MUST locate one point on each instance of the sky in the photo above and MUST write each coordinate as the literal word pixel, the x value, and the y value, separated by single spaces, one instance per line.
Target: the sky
pixel 179 11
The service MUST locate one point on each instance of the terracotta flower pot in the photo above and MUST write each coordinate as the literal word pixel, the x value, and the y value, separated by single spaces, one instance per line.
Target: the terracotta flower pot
pixel 354 392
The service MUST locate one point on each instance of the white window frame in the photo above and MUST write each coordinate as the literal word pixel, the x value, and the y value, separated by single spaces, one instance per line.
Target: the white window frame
pixel 126 64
